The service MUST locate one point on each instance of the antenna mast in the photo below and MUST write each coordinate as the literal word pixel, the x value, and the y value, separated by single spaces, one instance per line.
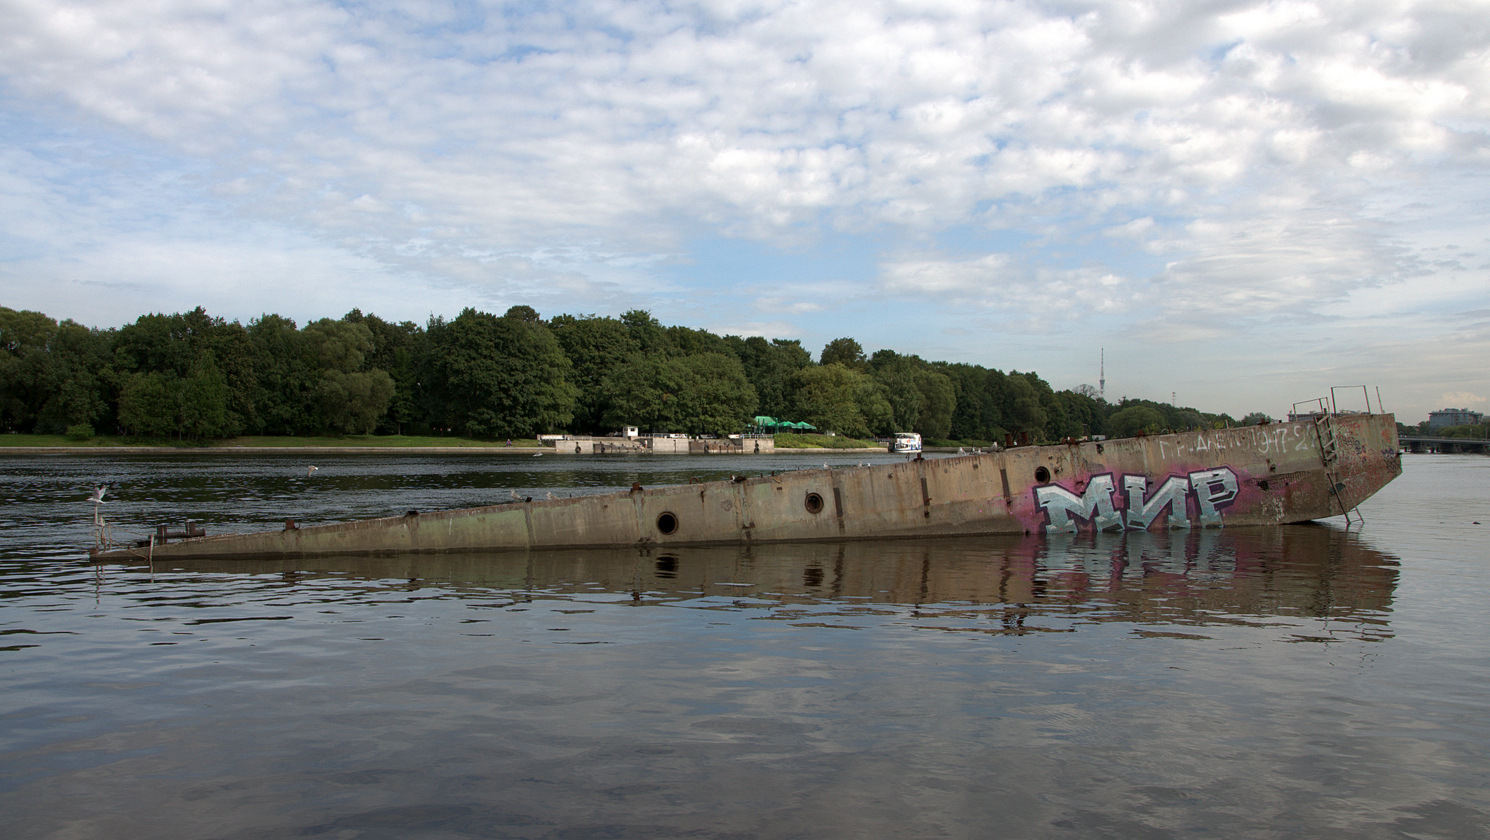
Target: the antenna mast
pixel 1102 377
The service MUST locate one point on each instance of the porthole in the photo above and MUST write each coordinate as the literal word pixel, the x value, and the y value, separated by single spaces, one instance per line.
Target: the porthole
pixel 667 523
pixel 814 503
pixel 1042 475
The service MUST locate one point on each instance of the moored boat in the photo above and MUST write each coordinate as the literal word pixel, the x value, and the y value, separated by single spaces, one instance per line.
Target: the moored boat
pixel 1310 468
pixel 907 442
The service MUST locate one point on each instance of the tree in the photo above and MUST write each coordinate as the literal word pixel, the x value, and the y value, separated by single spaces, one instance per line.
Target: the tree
pixel 717 399
pixel 201 401
pixel 147 406
pixel 285 375
pixel 498 377
pixel 771 367
pixel 1135 420
pixel 646 332
pixel 645 391
pixel 351 403
pixel 844 351
pixel 921 398
pixel 1021 405
pixel 705 393
pixel 977 413
pixel 526 314
pixel 837 398
pixel 399 350
pixel 1083 410
pixel 76 379
pixel 595 348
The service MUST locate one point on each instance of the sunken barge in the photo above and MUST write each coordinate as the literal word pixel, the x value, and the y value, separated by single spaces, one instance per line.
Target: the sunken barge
pixel 1315 467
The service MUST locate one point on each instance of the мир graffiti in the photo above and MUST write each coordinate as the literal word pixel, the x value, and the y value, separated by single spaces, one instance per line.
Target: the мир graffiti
pixel 1210 490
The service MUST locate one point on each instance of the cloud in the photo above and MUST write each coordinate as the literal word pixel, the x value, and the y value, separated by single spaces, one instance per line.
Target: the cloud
pixel 1174 174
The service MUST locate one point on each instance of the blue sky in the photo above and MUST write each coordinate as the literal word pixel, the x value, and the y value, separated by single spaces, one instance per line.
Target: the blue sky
pixel 1243 203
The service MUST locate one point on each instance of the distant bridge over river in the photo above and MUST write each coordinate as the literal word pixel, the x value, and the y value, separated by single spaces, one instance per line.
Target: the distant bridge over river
pixel 1444 445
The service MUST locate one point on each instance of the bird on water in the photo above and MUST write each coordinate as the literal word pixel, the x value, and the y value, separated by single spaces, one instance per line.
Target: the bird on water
pixel 309 470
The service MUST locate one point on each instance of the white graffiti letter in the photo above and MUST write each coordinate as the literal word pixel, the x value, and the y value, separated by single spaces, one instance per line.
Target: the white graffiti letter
pixel 1214 489
pixel 1095 505
pixel 1172 494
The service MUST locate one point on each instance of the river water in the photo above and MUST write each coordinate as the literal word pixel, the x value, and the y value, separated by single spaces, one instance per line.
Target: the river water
pixel 1309 681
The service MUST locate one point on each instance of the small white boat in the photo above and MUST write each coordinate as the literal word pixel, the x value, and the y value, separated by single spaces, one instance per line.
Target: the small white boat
pixel 906 442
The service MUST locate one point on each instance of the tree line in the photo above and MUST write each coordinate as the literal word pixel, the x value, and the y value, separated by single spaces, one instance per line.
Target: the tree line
pixel 194 377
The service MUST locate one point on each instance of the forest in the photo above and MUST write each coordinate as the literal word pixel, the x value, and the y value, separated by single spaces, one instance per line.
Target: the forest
pixel 192 377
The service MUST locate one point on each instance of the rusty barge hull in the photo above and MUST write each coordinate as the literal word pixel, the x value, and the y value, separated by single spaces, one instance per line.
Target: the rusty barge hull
pixel 1255 475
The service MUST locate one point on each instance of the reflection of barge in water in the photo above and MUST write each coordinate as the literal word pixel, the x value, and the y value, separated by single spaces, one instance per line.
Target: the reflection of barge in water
pixel 1200 577
pixel 1307 469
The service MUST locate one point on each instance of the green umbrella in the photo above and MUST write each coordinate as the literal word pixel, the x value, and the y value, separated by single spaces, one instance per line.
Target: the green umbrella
pixel 762 420
pixel 805 425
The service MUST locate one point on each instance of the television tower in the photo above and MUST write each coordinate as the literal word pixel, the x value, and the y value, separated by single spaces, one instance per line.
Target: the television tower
pixel 1102 377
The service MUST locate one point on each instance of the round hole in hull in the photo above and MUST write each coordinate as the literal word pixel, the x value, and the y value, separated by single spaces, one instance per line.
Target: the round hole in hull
pixel 814 503
pixel 667 523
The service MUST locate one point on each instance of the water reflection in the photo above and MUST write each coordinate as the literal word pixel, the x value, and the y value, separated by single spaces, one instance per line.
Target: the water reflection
pixel 998 585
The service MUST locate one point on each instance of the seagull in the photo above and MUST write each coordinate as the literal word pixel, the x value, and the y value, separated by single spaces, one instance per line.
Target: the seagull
pixel 309 470
pixel 97 497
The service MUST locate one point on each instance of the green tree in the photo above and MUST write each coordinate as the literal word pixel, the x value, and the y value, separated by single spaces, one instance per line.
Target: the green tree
pixel 352 403
pixel 646 391
pixel 1084 410
pixel 834 397
pixel 24 340
pixel 286 374
pixel 498 377
pixel 147 406
pixel 646 332
pixel 771 368
pixel 705 393
pixel 176 345
pixel 922 399
pixel 1021 406
pixel 523 313
pixel 595 347
pixel 1135 420
pixel 399 350
pixel 201 401
pixel 717 399
pixel 976 414
pixel 686 341
pixel 77 379
pixel 844 351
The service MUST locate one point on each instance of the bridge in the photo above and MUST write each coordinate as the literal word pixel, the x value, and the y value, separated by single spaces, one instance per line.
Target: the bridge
pixel 1444 445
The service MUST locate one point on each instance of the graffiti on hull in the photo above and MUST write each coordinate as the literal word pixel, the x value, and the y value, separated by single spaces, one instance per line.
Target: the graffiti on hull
pixel 1182 499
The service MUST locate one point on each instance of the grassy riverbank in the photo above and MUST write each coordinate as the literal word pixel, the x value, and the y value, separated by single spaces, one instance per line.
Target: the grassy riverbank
pixel 393 442
pixel 792 440
pixel 265 442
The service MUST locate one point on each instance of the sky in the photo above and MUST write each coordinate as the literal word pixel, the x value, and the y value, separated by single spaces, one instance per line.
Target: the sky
pixel 1233 206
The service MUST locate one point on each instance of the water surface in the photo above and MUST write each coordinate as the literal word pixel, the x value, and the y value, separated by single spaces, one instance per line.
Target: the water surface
pixel 1306 681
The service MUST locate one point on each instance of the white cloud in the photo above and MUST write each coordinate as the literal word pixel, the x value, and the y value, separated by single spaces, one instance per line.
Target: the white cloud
pixel 1289 161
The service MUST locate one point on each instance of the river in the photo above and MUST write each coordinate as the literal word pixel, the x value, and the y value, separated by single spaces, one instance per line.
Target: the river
pixel 1310 681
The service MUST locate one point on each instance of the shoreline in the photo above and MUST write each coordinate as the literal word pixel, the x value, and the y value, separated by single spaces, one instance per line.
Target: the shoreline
pixel 359 450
